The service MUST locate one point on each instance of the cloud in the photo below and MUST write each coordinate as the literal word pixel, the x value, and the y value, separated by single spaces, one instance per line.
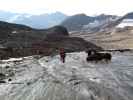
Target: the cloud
pixel 70 7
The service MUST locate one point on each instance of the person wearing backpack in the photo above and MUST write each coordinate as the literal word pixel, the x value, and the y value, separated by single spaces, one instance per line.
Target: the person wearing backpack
pixel 62 54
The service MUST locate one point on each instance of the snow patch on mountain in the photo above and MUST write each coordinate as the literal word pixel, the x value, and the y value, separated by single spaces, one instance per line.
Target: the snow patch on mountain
pixel 96 23
pixel 125 22
pixel 99 23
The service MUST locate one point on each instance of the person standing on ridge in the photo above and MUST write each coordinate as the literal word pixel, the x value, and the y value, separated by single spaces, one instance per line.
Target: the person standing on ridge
pixel 62 55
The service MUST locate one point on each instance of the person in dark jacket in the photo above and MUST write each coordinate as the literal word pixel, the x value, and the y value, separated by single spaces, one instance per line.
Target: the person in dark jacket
pixel 62 55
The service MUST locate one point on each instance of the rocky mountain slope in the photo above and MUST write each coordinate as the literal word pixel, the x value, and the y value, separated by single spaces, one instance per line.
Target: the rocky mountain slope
pixel 82 22
pixel 7 29
pixel 76 22
pixel 21 40
pixel 113 35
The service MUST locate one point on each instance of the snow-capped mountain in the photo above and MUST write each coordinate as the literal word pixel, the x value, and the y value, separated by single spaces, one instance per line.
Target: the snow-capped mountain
pixel 18 17
pixel 34 21
pixel 5 16
pixel 82 22
pixel 41 21
pixel 100 23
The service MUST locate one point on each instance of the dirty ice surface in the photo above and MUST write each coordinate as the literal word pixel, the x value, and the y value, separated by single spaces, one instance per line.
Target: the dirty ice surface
pixel 48 79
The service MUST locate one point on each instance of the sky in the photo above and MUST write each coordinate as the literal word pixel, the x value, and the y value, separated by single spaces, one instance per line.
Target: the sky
pixel 69 7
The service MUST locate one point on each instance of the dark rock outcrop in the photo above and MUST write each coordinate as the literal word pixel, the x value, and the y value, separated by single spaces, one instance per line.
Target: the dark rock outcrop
pixel 76 22
pixel 2 76
pixel 57 31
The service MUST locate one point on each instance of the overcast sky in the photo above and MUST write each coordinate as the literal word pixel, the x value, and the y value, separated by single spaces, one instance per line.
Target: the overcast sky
pixel 69 7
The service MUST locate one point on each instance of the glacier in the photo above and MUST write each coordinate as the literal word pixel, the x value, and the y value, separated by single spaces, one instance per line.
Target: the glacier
pixel 47 78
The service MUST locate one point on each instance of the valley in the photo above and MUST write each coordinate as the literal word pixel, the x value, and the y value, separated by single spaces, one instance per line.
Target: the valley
pixel 31 67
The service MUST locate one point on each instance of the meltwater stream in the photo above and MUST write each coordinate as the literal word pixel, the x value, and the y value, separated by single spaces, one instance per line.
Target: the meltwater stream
pixel 49 79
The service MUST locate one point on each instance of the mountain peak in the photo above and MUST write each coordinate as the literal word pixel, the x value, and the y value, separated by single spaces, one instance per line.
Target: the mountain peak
pixel 81 14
